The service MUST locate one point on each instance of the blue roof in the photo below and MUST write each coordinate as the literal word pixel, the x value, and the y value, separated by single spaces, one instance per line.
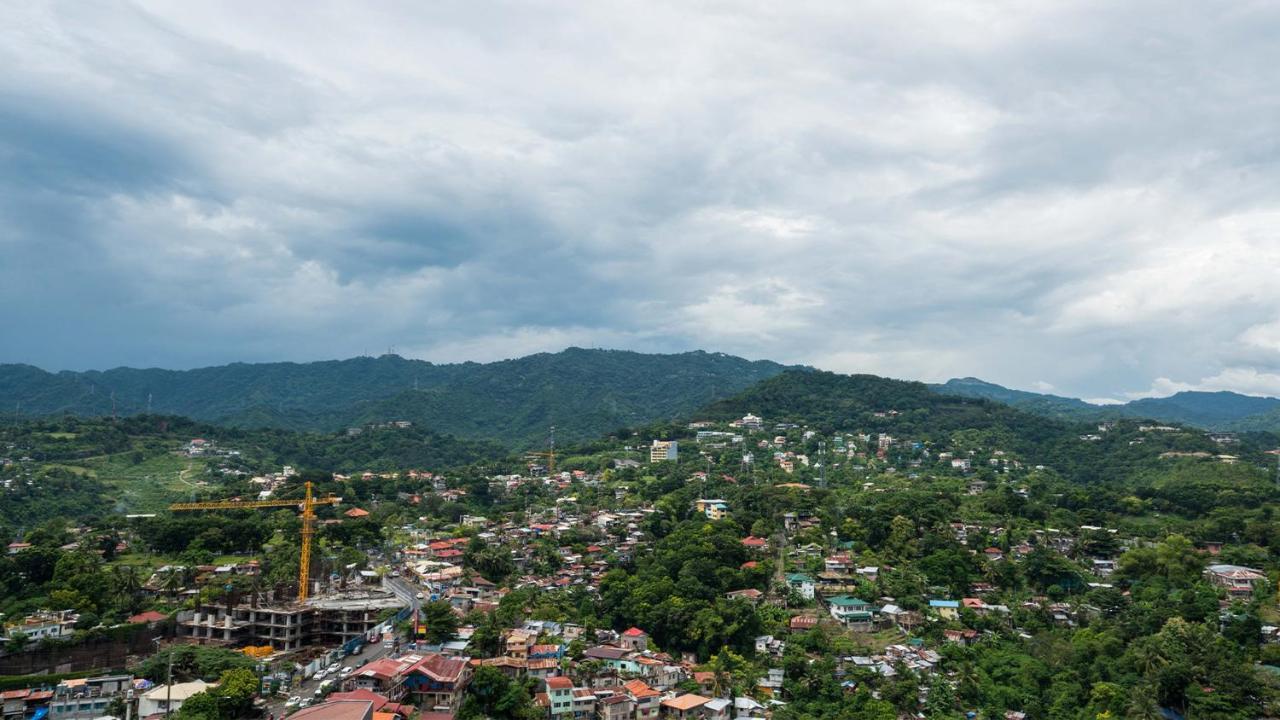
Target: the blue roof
pixel 944 603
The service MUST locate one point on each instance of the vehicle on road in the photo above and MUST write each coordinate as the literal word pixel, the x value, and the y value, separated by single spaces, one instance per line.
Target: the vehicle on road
pixel 347 671
pixel 292 702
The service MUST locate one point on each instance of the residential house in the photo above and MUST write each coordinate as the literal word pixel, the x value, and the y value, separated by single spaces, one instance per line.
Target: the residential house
pixel 946 609
pixel 714 509
pixel 163 699
pixel 750 594
pixel 560 697
pixel 717 709
pixel 614 706
pixel 437 682
pixel 644 699
pixel 1237 580
pixel 684 707
pixel 802 584
pixel 856 613
pixel 634 639
pixel 615 657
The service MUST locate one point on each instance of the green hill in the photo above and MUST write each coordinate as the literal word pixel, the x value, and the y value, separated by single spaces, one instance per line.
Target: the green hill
pixel 1208 410
pixel 830 402
pixel 584 393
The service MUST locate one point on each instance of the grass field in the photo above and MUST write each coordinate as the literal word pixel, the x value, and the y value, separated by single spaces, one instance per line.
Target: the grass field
pixel 151 485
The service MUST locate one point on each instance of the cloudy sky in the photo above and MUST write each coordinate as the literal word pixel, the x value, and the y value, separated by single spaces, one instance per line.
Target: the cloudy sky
pixel 1081 197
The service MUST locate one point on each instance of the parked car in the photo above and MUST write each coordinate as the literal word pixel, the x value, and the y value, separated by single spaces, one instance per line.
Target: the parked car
pixel 293 702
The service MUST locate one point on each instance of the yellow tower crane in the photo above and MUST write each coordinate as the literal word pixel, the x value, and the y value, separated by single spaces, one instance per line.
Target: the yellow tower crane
pixel 307 505
pixel 549 455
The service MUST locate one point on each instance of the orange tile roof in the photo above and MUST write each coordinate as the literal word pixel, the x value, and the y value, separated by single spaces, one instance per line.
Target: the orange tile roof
pixel 686 702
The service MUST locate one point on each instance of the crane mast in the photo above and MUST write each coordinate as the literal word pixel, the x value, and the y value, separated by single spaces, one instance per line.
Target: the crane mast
pixel 307 505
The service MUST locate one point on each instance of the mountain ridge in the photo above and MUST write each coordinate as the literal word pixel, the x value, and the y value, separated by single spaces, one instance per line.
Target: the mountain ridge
pixel 1220 410
pixel 583 392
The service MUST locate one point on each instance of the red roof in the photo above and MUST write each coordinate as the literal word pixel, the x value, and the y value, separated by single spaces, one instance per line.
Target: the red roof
pixel 356 513
pixel 559 682
pixel 440 668
pixel 639 689
pixel 686 702
pixel 634 632
pixel 149 616
pixel 378 700
pixel 801 622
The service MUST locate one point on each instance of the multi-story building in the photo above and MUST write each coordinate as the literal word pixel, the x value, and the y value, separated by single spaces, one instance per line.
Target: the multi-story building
pixel 86 698
pixel 713 509
pixel 289 626
pixel 664 450
pixel 45 625
pixel 560 697
pixel 645 700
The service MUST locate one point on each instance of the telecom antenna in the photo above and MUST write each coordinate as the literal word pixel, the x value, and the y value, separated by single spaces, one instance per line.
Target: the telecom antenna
pixel 822 467
pixel 148 403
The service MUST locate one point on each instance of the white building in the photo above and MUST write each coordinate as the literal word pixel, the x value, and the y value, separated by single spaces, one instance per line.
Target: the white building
pixel 663 450
pixel 157 700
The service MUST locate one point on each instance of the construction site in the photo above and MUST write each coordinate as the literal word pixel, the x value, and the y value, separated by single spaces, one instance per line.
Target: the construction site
pixel 332 618
pixel 336 615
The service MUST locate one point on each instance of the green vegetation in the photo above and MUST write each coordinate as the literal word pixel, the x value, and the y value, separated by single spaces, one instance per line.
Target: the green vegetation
pixel 1082 551
pixel 585 393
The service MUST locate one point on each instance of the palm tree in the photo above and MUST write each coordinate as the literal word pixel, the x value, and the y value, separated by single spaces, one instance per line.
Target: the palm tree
pixel 172 582
pixel 1142 703
pixel 127 585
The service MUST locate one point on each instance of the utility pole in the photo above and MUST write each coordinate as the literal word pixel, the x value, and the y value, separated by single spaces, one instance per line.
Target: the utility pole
pixel 168 700
pixel 168 691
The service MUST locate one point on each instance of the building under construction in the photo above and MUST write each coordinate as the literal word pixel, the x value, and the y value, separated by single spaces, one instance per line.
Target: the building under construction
pixel 331 619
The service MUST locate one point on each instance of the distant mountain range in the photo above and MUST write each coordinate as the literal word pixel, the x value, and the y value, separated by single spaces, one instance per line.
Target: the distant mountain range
pixel 584 393
pixel 1223 411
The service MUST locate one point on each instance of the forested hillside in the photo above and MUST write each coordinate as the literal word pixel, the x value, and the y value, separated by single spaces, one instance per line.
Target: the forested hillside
pixel 1225 411
pixel 584 393
pixel 832 402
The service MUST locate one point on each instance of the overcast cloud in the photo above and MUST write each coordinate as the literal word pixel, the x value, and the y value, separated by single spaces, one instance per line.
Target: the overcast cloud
pixel 1080 197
